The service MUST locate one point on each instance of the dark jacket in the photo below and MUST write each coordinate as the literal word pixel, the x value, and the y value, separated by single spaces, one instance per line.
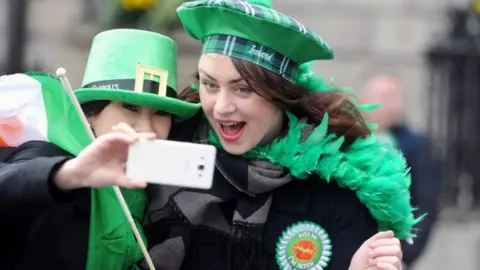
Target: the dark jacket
pixel 42 228
pixel 336 209
pixel 45 230
pixel 4 152
pixel 425 188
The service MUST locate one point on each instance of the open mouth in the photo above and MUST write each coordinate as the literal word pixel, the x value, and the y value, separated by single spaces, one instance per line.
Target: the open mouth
pixel 231 131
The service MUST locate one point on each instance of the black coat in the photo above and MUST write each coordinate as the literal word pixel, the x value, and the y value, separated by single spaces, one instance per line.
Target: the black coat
pixel 41 227
pixel 4 152
pixel 47 229
pixel 336 209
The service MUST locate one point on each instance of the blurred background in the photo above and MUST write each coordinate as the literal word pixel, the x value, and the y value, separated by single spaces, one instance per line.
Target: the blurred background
pixel 420 58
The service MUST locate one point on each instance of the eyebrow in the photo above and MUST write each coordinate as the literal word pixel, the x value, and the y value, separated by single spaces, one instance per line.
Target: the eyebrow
pixel 213 79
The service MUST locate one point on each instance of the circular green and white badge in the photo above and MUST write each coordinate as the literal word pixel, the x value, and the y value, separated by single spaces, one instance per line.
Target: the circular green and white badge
pixel 304 245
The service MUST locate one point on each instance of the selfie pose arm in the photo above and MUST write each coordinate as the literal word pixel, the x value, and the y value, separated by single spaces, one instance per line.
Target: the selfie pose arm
pixel 101 164
pixel 39 173
pixel 26 176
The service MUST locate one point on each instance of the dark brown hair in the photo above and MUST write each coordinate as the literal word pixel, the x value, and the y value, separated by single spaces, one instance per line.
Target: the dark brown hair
pixel 95 107
pixel 344 118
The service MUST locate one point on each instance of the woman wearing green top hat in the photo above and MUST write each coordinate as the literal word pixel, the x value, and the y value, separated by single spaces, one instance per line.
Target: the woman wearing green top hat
pixel 58 214
pixel 301 182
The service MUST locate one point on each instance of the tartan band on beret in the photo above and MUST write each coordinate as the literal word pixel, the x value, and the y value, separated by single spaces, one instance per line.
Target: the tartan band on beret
pixel 253 52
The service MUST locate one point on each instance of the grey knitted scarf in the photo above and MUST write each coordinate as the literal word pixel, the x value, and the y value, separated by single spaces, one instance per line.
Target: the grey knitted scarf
pixel 252 196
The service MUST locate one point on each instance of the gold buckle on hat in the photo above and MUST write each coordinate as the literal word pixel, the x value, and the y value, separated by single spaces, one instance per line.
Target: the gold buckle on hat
pixel 139 5
pixel 143 70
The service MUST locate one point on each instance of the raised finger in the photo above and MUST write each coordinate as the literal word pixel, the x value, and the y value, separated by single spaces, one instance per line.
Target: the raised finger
pixel 125 129
pixel 386 242
pixel 125 182
pixel 388 266
pixel 380 235
pixel 147 135
pixel 129 131
pixel 115 138
pixel 393 260
pixel 386 251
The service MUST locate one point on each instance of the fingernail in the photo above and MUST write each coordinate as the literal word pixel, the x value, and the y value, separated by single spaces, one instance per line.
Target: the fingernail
pixel 371 262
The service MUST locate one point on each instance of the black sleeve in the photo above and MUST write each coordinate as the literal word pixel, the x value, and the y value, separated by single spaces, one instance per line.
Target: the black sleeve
pixel 347 222
pixel 425 189
pixel 25 177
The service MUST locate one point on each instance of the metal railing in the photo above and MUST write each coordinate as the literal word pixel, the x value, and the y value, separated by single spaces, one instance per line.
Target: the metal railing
pixel 16 40
pixel 454 111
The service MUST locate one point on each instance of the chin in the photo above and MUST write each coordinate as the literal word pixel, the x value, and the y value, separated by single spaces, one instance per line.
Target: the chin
pixel 236 148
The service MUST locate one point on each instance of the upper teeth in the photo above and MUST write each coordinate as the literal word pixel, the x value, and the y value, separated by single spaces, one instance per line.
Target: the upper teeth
pixel 230 124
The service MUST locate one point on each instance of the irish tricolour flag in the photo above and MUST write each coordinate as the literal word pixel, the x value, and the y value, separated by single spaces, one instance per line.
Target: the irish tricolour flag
pixel 35 106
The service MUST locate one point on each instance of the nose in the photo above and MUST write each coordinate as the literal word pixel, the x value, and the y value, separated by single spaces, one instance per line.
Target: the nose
pixel 224 104
pixel 144 123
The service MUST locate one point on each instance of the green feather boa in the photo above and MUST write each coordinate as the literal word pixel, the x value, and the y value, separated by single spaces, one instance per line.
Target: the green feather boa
pixel 374 170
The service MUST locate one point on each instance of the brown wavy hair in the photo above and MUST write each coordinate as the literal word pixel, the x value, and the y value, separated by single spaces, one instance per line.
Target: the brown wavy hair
pixel 344 118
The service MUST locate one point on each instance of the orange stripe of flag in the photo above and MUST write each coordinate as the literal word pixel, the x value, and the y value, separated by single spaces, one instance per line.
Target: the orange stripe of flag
pixel 10 125
pixel 2 143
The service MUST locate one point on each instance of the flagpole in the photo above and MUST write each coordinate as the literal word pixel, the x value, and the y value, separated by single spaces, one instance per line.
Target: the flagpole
pixel 62 74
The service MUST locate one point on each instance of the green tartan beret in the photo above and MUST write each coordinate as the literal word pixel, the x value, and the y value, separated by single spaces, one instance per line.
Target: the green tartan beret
pixel 253 32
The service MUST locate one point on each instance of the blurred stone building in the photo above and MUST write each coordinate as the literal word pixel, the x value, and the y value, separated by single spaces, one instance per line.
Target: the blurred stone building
pixel 367 35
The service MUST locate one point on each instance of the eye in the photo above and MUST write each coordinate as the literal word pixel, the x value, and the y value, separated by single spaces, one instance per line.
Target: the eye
pixel 130 107
pixel 162 113
pixel 244 89
pixel 208 85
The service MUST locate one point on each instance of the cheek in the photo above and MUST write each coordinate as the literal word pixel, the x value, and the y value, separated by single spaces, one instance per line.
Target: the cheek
pixel 120 115
pixel 104 123
pixel 266 117
pixel 266 126
pixel 161 126
pixel 207 101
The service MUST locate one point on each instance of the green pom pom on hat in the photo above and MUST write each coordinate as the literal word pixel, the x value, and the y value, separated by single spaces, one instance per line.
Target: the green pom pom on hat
pixel 137 67
pixel 252 31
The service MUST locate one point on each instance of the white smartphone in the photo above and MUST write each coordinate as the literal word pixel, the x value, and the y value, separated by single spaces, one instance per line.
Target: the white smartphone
pixel 172 163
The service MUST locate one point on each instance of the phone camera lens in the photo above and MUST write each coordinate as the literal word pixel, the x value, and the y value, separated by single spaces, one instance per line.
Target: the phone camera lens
pixel 201 167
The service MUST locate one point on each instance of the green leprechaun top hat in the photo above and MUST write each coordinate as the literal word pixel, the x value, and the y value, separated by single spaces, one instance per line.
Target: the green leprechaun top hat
pixel 137 67
pixel 252 31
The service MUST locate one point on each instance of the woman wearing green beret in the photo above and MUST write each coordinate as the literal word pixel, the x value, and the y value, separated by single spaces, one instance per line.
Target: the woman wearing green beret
pixel 301 181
